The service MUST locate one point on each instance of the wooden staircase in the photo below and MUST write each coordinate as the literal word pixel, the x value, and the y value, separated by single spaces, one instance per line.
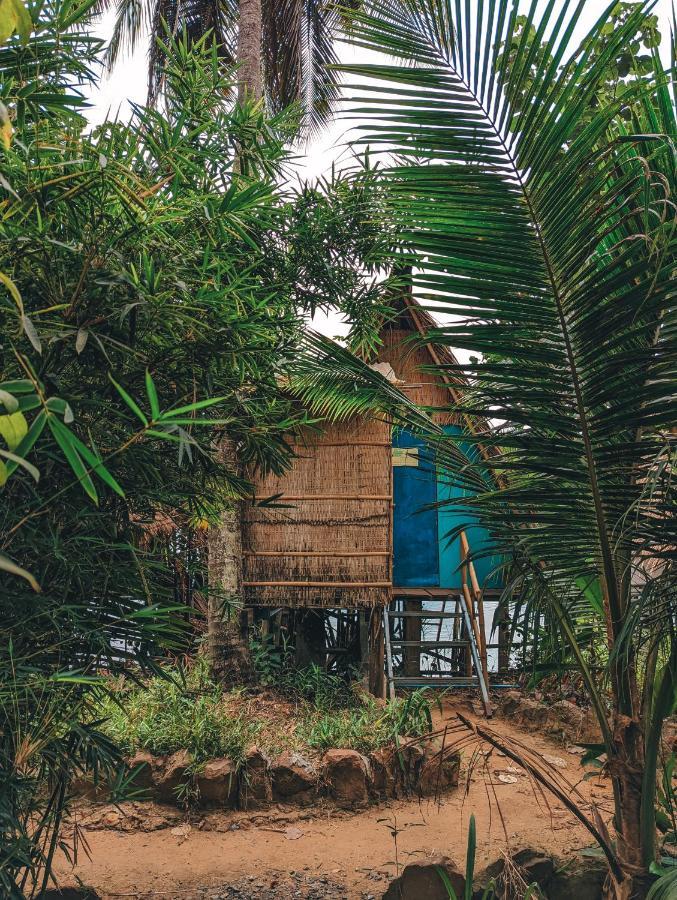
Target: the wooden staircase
pixel 457 658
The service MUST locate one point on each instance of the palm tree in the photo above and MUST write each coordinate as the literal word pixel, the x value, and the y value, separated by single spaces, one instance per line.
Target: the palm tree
pixel 283 47
pixel 545 222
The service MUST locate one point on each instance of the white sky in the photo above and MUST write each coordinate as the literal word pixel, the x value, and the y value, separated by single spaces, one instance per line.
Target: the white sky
pixel 129 79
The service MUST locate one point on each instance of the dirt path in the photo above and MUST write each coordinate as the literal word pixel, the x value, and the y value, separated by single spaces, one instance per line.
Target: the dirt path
pixel 325 853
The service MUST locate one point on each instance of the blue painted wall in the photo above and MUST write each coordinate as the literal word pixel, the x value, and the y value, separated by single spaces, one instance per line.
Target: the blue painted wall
pixel 415 529
pixel 423 556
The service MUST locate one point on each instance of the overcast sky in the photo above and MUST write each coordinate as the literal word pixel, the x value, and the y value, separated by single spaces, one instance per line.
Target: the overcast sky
pixel 129 79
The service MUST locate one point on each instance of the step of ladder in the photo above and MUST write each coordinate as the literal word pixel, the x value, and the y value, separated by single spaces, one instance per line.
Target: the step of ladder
pixel 425 614
pixel 434 680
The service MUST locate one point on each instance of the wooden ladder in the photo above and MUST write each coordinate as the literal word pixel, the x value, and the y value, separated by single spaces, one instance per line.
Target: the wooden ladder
pixel 468 611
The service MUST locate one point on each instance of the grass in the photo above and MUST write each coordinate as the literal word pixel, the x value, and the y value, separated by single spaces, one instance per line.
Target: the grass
pixel 184 711
pixel 310 711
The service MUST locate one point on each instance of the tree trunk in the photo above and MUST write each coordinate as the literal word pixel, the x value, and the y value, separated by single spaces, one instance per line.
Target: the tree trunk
pixel 228 657
pixel 250 74
pixel 626 766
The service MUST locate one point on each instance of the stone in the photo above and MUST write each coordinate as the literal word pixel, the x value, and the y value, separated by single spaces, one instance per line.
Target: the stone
pixel 171 773
pixel 582 882
pixel 145 763
pixel 293 776
pixel 346 773
pixel 534 867
pixel 421 880
pixel 510 702
pixel 407 766
pixel 381 768
pixel 256 789
pixel 440 771
pixel 217 783
pixel 83 786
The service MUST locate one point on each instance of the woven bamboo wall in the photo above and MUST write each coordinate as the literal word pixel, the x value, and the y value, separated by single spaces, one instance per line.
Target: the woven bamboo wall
pixel 330 546
pixel 408 361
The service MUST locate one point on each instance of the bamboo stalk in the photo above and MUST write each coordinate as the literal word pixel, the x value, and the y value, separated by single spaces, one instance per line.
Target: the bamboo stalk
pixel 477 592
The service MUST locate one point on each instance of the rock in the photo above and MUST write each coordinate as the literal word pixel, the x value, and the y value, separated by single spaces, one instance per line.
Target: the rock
pixel 407 766
pixel 170 774
pixel 533 866
pixel 145 763
pixel 583 882
pixel 561 718
pixel 217 783
pixel 422 881
pixel 381 763
pixel 532 714
pixel 83 786
pixel 440 771
pixel 510 702
pixel 293 776
pixel 346 773
pixel 256 789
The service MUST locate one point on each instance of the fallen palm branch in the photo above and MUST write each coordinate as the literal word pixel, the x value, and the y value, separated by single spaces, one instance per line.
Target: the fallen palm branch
pixel 464 733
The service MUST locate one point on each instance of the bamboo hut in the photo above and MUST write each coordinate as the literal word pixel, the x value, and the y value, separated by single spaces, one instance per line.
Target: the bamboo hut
pixel 346 531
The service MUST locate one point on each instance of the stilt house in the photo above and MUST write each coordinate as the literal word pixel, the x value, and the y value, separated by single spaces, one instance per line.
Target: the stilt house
pixel 358 533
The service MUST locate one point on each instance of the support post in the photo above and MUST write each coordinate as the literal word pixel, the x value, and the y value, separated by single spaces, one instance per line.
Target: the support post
pixel 412 632
pixel 376 640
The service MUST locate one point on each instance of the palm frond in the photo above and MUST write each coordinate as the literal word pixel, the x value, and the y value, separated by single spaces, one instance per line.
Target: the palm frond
pixel 298 43
pixel 552 247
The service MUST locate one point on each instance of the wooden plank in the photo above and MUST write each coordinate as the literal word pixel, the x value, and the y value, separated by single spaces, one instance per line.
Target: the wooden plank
pixel 318 553
pixel 360 497
pixel 333 584
pixel 435 681
pixel 431 644
pixel 424 614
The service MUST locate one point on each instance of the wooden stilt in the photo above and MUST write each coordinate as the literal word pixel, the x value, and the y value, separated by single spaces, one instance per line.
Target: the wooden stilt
pixel 377 681
pixel 412 632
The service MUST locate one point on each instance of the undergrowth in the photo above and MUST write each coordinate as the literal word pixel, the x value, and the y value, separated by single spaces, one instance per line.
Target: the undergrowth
pixel 185 710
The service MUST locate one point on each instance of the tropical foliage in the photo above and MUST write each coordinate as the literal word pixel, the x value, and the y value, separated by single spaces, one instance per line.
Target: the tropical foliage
pixel 542 220
pixel 293 40
pixel 152 301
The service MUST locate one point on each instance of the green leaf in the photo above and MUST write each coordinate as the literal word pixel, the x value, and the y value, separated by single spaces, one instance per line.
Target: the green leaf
pixel 13 428
pixel 20 461
pixel 8 565
pixel 96 464
pixel 9 401
pixel 446 881
pixel 152 397
pixel 136 409
pixel 29 440
pixel 65 439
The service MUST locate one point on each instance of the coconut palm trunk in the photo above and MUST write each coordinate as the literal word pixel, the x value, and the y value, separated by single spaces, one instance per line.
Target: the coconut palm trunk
pixel 226 649
pixel 249 58
pixel 228 655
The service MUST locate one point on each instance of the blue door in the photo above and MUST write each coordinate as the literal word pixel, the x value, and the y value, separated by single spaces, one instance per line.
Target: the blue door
pixel 451 517
pixel 415 539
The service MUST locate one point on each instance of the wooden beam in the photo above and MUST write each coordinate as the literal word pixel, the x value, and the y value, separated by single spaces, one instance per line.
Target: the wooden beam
pixel 319 553
pixel 327 584
pixel 360 497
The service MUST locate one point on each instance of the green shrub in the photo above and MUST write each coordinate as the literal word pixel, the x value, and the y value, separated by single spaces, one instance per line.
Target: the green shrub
pixel 182 711
pixel 368 726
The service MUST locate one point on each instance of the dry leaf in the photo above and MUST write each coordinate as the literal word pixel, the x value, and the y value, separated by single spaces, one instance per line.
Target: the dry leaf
pixel 504 778
pixel 182 832
pixel 556 761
